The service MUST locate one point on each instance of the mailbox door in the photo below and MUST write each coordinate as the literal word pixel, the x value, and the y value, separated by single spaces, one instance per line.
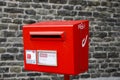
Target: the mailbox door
pixel 49 49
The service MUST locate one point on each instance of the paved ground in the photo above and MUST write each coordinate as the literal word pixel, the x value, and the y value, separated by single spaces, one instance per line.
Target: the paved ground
pixel 110 78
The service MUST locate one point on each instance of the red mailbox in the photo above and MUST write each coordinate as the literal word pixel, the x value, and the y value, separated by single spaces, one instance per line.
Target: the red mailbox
pixel 56 46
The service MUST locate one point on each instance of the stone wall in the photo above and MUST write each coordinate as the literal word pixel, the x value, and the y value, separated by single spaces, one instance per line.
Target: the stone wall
pixel 104 51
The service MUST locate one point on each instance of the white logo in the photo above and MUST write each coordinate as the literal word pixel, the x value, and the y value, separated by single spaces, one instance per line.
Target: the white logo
pixel 81 26
pixel 84 41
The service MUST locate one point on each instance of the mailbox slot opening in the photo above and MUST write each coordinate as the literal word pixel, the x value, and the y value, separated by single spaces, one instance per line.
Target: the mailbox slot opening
pixel 47 35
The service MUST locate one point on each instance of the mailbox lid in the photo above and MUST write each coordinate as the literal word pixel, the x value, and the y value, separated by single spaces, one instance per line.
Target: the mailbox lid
pixel 56 23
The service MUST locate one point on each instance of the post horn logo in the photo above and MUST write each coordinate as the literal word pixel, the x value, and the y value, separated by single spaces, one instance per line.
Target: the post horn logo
pixel 81 26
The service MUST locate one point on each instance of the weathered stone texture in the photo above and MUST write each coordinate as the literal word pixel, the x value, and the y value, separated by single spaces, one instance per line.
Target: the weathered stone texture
pixel 104 49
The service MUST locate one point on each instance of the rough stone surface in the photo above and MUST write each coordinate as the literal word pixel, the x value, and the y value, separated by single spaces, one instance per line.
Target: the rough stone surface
pixel 38 1
pixel 2 3
pixel 12 4
pixel 2 50
pixel 13 10
pixel 12 50
pixel 15 69
pixel 100 55
pixel 4 70
pixel 30 12
pixel 9 34
pixel 2 39
pixel 7 57
pixel 104 47
pixel 58 1
pixel 19 57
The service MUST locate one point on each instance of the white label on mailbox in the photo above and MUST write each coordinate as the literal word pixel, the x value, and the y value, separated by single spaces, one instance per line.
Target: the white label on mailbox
pixel 47 57
pixel 31 56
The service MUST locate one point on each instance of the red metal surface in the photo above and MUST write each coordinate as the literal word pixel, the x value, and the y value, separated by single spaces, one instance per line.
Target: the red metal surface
pixel 71 46
pixel 66 77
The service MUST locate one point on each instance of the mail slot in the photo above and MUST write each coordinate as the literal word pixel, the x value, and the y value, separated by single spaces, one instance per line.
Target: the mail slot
pixel 56 46
pixel 47 35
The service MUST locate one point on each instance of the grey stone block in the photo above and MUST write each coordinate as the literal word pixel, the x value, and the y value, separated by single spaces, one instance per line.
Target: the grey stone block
pixel 19 57
pixel 37 1
pixel 29 21
pixel 84 13
pixel 95 75
pixel 66 13
pixel 2 3
pixel 4 70
pixel 12 4
pixel 33 74
pixel 9 75
pixel 24 0
pixel 24 5
pixel 12 50
pixel 46 6
pixel 36 5
pixel 9 34
pixel 13 10
pixel 14 63
pixel 44 78
pixel 68 7
pixel 30 12
pixel 7 57
pixel 110 70
pixel 116 74
pixel 6 20
pixel 113 55
pixel 85 76
pixel 100 55
pixel 75 2
pixel 58 1
pixel 17 21
pixel 104 66
pixel 93 3
pixel 15 69
pixel 2 50
pixel 3 39
pixel 101 15
pixel 13 27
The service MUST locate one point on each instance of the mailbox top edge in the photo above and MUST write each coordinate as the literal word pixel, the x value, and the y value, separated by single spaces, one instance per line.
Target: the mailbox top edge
pixel 56 23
